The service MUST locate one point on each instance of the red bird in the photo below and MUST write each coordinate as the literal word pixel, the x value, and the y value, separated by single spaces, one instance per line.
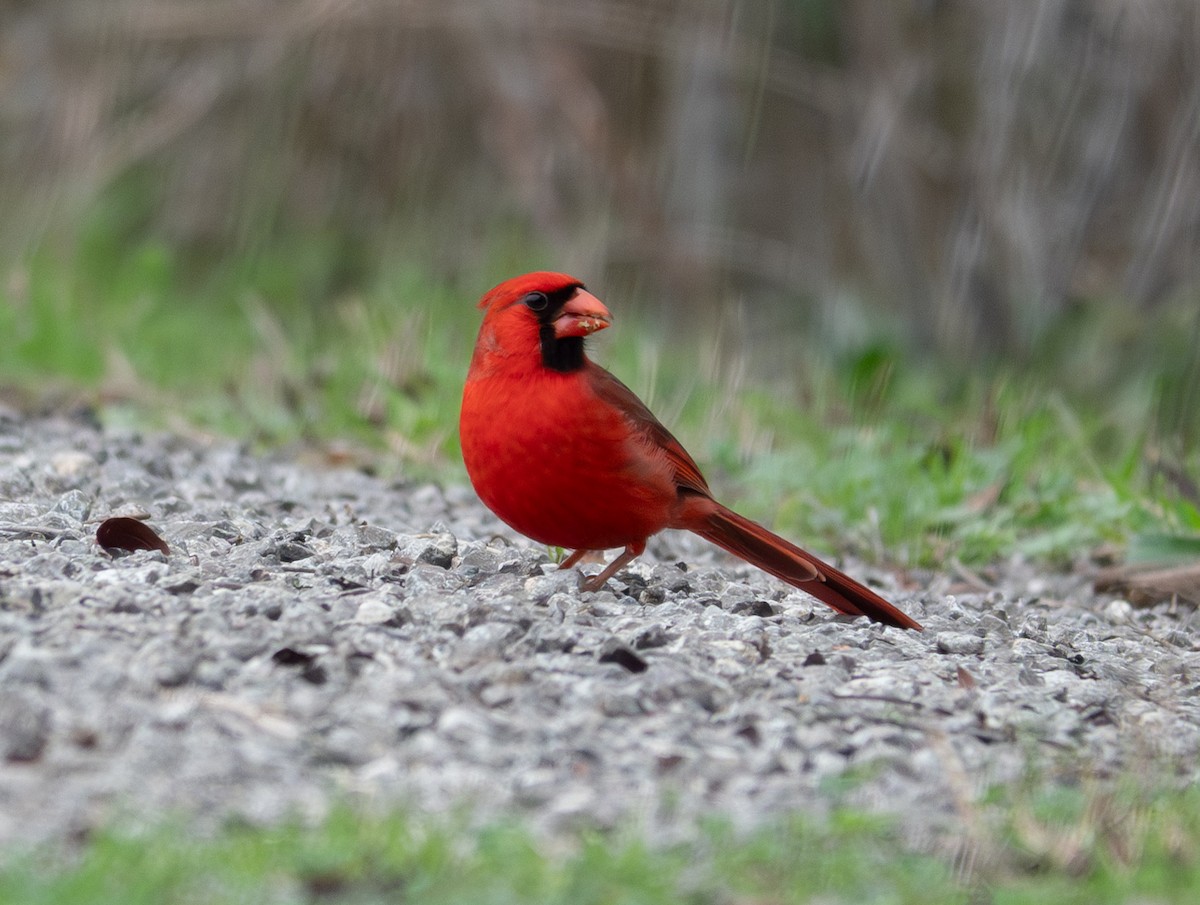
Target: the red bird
pixel 566 454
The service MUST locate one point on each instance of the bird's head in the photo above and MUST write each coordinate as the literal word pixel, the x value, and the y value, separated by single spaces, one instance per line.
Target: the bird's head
pixel 546 311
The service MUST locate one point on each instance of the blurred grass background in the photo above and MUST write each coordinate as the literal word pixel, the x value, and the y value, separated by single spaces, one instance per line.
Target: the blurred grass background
pixel 917 278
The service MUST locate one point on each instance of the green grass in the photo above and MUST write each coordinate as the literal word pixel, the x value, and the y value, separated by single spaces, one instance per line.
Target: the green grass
pixel 862 446
pixel 1051 843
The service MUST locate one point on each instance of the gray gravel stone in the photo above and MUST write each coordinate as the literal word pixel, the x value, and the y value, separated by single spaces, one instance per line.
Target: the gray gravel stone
pixel 24 727
pixel 323 633
pixel 958 643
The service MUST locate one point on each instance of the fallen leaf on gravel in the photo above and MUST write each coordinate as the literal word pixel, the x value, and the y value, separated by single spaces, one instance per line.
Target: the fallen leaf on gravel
pixel 124 533
pixel 965 679
pixel 1146 586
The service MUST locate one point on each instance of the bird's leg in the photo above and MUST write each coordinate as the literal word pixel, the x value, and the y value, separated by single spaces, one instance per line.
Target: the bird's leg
pixel 572 559
pixel 596 582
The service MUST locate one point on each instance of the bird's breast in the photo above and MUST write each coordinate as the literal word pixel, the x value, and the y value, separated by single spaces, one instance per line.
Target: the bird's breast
pixel 560 465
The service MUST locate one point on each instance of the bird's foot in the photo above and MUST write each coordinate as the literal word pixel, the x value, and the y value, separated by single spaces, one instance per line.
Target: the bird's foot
pixel 592 582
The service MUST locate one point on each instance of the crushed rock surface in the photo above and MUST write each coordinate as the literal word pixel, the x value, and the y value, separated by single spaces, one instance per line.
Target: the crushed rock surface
pixel 318 635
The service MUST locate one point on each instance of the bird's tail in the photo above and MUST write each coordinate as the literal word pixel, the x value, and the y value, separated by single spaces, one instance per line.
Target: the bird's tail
pixel 771 553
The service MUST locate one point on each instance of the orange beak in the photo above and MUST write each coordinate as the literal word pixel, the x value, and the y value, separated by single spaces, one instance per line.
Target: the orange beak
pixel 583 315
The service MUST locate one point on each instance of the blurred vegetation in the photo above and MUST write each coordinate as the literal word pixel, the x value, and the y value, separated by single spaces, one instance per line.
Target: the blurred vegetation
pixel 977 169
pixel 1064 843
pixel 920 278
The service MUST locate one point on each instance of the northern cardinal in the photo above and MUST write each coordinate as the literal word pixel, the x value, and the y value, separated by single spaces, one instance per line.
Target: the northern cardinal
pixel 566 454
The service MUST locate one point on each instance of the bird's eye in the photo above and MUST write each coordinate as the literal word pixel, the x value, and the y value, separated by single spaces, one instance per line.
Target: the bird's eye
pixel 536 301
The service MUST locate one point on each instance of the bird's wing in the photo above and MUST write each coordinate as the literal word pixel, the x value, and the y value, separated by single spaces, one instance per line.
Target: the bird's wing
pixel 610 390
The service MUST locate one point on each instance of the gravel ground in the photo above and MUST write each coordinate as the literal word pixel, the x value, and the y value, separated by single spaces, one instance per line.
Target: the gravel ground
pixel 318 634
